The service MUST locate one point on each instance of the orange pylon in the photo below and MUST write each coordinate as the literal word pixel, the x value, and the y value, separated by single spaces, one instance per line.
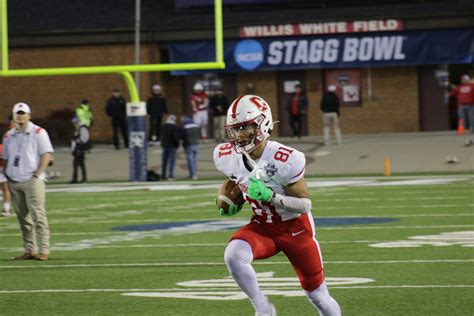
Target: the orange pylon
pixel 460 130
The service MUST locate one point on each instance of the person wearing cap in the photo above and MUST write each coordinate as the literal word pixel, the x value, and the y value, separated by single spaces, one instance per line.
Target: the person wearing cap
pixel 80 145
pixel 170 143
pixel 27 152
pixel 199 104
pixel 156 108
pixel 330 108
pixel 84 113
pixel 464 93
pixel 117 111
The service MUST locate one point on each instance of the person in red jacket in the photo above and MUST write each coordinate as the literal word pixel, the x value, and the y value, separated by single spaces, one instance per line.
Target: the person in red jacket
pixel 464 93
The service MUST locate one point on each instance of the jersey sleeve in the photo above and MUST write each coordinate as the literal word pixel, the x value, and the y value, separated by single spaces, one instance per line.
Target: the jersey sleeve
pixel 44 143
pixel 297 164
pixel 223 154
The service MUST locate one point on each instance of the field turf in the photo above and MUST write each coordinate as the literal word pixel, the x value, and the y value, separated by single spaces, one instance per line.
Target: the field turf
pixel 160 252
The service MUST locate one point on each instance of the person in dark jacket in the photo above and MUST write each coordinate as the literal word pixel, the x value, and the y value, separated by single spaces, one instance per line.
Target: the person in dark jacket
pixel 116 110
pixel 169 143
pixel 190 133
pixel 219 105
pixel 297 108
pixel 330 108
pixel 80 145
pixel 156 108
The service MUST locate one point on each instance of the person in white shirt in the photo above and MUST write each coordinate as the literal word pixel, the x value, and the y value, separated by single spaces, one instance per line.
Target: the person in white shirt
pixel 27 152
pixel 271 178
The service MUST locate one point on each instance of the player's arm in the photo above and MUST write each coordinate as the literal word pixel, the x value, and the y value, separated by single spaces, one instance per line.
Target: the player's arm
pixel 297 200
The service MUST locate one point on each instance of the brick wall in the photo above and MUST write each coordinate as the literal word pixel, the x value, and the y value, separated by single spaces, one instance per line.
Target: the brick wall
pixel 393 107
pixel 56 93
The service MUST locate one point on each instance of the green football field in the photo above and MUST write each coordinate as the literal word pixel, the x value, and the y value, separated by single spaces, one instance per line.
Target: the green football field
pixel 402 246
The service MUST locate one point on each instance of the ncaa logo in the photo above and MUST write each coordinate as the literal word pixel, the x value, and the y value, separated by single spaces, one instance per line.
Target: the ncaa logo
pixel 248 54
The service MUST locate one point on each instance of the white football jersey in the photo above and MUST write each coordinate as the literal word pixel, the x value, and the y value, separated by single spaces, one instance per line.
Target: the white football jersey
pixel 281 166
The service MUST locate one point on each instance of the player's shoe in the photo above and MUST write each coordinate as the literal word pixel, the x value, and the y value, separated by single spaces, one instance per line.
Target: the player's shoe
pixel 272 312
pixel 5 213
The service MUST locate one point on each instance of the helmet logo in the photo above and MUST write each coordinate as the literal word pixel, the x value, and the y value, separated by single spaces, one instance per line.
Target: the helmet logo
pixel 259 103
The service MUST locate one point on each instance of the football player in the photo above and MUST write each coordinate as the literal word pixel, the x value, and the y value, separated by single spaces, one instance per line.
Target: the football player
pixel 271 177
pixel 199 103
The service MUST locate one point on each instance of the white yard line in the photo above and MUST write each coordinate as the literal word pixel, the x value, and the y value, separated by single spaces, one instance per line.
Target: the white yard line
pixel 405 286
pixel 182 264
pixel 15 249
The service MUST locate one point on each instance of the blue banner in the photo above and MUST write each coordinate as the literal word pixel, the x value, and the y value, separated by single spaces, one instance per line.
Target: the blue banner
pixel 334 51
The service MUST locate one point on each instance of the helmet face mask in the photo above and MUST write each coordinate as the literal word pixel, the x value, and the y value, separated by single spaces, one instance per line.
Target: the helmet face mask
pixel 249 123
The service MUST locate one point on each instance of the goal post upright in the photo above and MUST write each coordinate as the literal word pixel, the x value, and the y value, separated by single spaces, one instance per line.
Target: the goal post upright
pixel 136 110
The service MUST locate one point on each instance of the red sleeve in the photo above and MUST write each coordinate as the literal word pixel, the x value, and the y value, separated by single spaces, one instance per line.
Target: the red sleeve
pixel 454 92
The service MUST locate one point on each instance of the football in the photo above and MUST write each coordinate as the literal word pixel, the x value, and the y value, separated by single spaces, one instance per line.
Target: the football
pixel 229 194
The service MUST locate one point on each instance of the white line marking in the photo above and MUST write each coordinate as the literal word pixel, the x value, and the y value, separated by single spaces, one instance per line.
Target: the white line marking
pixel 184 264
pixel 405 286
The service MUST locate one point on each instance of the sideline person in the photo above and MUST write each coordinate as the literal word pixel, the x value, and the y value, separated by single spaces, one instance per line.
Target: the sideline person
pixel 297 108
pixel 27 152
pixel 271 177
pixel 80 145
pixel 156 108
pixel 330 109
pixel 117 111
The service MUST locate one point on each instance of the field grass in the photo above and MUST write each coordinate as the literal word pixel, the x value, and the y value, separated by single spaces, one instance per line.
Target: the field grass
pixel 94 262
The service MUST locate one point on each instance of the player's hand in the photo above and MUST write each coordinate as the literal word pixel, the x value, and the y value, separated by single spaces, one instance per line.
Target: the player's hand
pixel 233 209
pixel 259 191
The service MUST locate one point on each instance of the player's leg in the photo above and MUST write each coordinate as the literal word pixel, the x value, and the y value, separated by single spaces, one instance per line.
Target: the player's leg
pixel 337 129
pixel 302 249
pixel 250 243
pixel 326 128
pixel 6 195
pixel 324 303
pixel 204 123
pixel 115 133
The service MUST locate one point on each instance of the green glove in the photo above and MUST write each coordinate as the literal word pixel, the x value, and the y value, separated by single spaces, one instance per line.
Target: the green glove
pixel 233 209
pixel 259 191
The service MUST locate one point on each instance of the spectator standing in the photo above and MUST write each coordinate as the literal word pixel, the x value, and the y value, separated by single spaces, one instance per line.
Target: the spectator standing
pixel 199 104
pixel 465 97
pixel 27 152
pixel 190 136
pixel 219 105
pixel 5 191
pixel 156 108
pixel 297 108
pixel 80 145
pixel 170 144
pixel 116 109
pixel 330 108
pixel 84 113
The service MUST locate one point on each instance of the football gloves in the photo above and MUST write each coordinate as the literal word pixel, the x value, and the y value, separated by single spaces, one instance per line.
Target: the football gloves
pixel 259 191
pixel 233 209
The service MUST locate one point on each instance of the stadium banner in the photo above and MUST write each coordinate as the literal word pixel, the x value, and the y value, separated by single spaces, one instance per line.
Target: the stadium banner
pixel 321 28
pixel 333 51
